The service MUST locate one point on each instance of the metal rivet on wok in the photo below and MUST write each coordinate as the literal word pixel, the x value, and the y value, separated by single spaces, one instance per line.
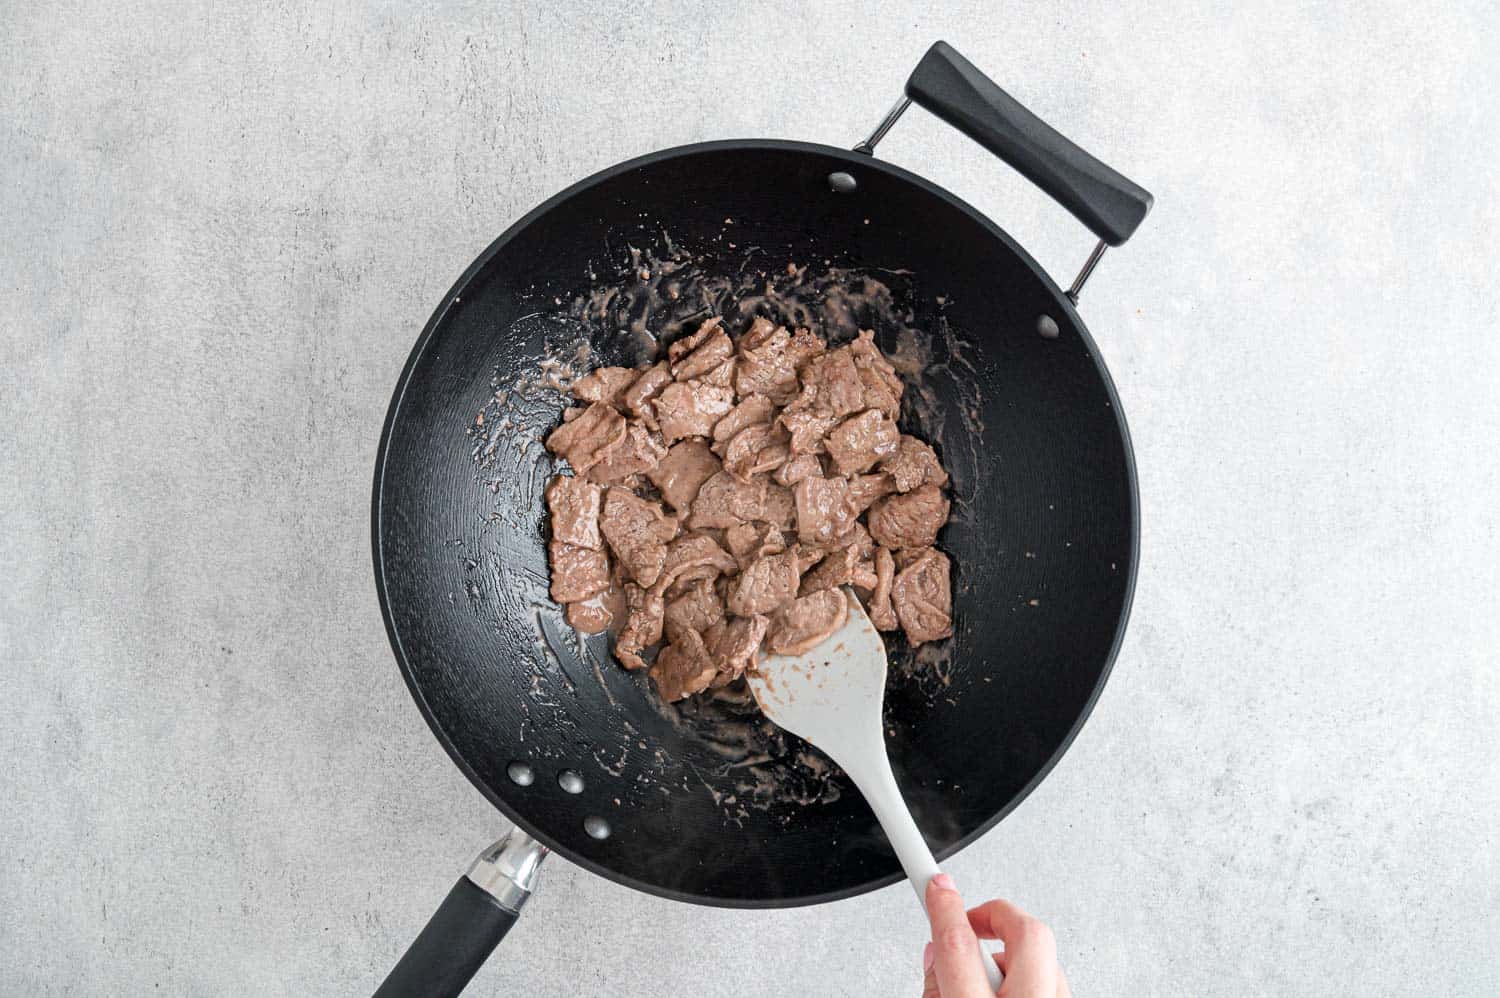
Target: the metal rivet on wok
pixel 520 774
pixel 570 781
pixel 1047 327
pixel 596 826
pixel 842 183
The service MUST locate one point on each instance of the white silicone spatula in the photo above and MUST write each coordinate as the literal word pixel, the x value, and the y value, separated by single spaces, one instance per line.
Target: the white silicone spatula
pixel 832 696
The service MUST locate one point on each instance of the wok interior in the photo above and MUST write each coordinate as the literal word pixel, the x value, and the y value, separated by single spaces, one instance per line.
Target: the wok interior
pixel 1043 539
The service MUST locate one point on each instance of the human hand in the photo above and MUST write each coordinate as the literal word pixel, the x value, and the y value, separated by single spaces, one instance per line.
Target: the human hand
pixel 1029 962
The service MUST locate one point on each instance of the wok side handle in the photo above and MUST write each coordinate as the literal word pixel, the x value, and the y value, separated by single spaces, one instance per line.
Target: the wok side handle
pixel 471 921
pixel 955 90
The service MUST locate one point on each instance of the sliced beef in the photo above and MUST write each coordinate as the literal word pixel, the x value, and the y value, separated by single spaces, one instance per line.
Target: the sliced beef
pixel 797 468
pixel 769 357
pixel 838 568
pixel 823 511
pixel 766 584
pixel 683 667
pixel 587 438
pixel 807 622
pixel 695 551
pixel 574 507
pixel 591 616
pixel 881 385
pixel 690 409
pixel 923 596
pixel 733 644
pixel 697 609
pixel 911 520
pixel 638 397
pixel 696 355
pixel 861 440
pixel 779 507
pixel 865 489
pixel 749 541
pixel 754 450
pixel 722 376
pixel 835 384
pixel 637 531
pixel 605 384
pixel 764 448
pixel 749 412
pixel 577 572
pixel 913 465
pixel 644 610
pixel 882 612
pixel 807 422
pixel 681 473
pixel 725 501
pixel 637 454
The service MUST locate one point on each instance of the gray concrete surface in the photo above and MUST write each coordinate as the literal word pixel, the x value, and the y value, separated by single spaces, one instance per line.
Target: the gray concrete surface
pixel 221 228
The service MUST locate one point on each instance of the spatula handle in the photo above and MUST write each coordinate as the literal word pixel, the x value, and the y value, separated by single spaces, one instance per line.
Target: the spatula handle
pixel 875 780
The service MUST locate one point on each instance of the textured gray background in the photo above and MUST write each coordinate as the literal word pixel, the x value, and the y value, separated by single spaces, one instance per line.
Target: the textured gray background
pixel 220 232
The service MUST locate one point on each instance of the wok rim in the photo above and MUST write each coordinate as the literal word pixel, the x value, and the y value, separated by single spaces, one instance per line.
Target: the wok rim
pixel 440 316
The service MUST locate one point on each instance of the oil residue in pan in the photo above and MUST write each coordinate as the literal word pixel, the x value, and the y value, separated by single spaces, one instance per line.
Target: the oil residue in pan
pixel 625 315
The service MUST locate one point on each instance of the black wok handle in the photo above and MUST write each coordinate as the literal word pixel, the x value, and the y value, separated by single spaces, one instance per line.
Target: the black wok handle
pixel 469 924
pixel 952 88
pixel 450 950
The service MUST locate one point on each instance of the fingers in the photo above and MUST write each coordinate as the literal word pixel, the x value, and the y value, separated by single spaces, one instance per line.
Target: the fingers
pixel 930 987
pixel 997 919
pixel 1063 991
pixel 1030 958
pixel 955 947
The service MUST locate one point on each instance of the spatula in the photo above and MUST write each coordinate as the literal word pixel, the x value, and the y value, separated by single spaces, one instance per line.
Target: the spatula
pixel 832 697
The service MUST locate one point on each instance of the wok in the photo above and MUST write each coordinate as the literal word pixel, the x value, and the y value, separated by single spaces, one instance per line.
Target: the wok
pixel 581 755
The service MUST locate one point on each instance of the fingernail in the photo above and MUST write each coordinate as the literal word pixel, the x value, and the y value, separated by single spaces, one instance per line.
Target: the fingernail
pixel 926 958
pixel 944 882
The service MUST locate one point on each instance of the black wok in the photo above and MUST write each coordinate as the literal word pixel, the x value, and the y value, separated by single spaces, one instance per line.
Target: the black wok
pixel 580 754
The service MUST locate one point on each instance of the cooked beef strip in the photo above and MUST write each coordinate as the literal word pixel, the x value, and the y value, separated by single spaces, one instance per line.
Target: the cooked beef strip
pixel 749 412
pixel 923 596
pixel 590 616
pixel 861 440
pixel 724 501
pixel 804 623
pixel 637 531
pixel 644 610
pixel 882 612
pixel 683 667
pixel 638 453
pixel 696 355
pixel 733 644
pixel 691 408
pixel 574 506
pixel 638 398
pixel 911 520
pixel 749 541
pixel 823 511
pixel 766 584
pixel 605 384
pixel 586 439
pixel 913 465
pixel 698 609
pixel 577 573
pixel 682 472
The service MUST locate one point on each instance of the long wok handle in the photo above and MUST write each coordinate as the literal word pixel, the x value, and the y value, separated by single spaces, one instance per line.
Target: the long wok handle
pixel 469 924
pixel 954 89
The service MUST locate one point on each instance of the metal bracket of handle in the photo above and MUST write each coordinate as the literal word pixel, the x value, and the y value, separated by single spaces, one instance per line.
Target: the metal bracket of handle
pixel 867 148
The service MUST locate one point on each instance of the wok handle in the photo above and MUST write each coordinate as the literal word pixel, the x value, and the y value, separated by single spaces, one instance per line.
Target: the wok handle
pixel 469 924
pixel 954 89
